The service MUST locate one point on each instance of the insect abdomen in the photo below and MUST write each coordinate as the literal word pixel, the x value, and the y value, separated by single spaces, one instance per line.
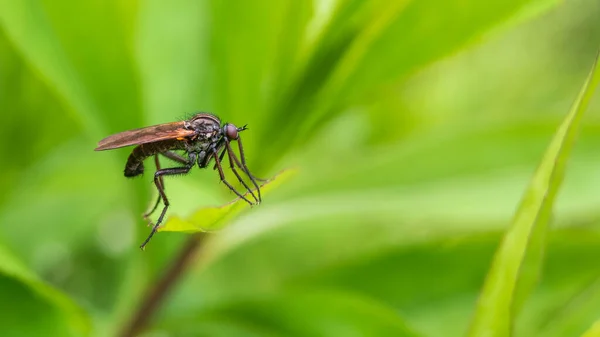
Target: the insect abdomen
pixel 135 162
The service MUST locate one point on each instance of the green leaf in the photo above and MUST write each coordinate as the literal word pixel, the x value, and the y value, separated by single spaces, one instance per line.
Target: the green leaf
pixel 90 68
pixel 366 49
pixel 594 331
pixel 570 316
pixel 213 218
pixel 54 313
pixel 24 96
pixel 378 270
pixel 516 265
pixel 323 312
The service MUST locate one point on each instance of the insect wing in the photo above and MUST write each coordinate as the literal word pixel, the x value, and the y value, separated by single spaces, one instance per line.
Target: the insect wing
pixel 145 135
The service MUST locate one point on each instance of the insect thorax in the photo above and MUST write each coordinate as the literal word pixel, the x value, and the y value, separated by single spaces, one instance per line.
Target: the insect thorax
pixel 201 145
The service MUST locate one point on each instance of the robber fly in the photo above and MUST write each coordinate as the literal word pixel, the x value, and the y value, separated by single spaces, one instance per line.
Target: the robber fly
pixel 201 138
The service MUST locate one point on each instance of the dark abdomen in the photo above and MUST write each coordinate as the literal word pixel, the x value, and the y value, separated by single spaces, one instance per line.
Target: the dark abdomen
pixel 135 162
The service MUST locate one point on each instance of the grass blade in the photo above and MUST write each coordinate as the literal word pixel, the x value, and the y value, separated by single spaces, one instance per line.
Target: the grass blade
pixel 516 264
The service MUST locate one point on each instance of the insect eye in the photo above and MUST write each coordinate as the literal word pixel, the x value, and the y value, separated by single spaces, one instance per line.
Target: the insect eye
pixel 231 132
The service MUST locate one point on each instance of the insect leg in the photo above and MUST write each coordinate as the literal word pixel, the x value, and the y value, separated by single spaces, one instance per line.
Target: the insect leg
pixel 241 149
pixel 233 159
pixel 220 158
pixel 157 181
pixel 243 164
pixel 147 214
pixel 222 175
pixel 175 157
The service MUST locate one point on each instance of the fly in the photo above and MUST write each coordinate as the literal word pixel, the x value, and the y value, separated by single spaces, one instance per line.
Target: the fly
pixel 201 139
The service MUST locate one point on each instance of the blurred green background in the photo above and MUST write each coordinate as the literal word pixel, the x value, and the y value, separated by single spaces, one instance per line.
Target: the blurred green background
pixel 415 127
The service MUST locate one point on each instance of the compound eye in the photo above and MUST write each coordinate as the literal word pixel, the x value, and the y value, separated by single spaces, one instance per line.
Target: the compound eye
pixel 231 132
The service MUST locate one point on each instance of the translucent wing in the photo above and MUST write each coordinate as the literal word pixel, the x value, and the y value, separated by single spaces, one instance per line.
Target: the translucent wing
pixel 145 135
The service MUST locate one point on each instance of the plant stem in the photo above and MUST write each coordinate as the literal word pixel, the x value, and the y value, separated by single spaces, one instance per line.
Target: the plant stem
pixel 159 291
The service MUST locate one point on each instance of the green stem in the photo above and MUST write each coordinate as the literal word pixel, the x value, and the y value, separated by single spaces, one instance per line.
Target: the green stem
pixel 159 291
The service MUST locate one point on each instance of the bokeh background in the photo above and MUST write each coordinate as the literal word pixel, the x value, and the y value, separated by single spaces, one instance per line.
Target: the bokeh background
pixel 414 127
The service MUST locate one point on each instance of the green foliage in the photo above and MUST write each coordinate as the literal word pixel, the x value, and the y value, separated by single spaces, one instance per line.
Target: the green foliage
pixel 593 331
pixel 214 218
pixel 516 264
pixel 414 127
pixel 58 315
